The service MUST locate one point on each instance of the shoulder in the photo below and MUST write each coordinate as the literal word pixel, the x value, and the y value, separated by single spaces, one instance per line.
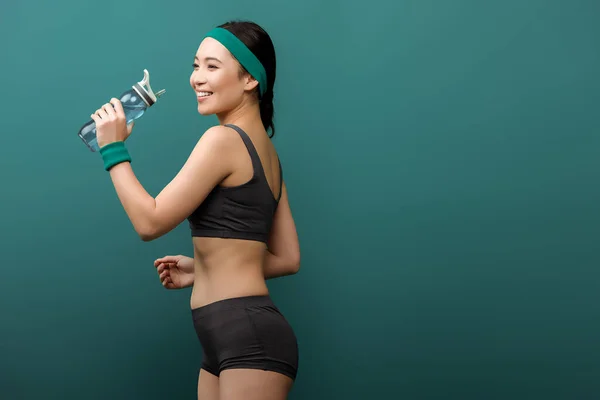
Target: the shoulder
pixel 214 153
pixel 217 138
pixel 219 135
pixel 219 131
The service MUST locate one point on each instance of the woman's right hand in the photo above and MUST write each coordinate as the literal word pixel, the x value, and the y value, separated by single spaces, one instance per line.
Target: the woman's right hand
pixel 175 272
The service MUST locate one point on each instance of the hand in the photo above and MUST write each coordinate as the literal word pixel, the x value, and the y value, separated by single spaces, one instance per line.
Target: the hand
pixel 175 272
pixel 111 123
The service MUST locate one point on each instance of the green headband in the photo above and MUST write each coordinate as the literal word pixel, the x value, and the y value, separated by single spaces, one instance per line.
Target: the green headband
pixel 242 54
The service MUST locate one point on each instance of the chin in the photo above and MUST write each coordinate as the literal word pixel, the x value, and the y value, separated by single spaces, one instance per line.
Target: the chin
pixel 203 110
pixel 211 109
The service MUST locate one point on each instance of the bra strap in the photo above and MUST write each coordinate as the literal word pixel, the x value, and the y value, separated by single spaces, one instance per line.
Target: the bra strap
pixel 256 164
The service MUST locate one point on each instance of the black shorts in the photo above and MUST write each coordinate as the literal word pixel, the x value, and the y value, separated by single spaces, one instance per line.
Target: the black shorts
pixel 246 332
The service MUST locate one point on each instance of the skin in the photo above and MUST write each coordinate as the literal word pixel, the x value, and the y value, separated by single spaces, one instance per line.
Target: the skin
pixel 220 268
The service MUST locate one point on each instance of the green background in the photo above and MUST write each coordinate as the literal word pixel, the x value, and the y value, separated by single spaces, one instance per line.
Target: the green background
pixel 441 158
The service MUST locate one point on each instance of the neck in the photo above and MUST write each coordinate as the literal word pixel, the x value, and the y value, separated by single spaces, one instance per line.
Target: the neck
pixel 247 113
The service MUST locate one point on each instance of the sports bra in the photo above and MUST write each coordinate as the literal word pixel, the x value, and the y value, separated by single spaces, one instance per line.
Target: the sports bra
pixel 240 212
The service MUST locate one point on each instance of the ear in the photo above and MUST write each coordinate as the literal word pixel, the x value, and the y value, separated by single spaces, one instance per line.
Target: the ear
pixel 251 83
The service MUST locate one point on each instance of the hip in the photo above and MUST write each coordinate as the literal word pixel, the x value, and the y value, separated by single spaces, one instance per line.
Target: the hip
pixel 246 332
pixel 247 321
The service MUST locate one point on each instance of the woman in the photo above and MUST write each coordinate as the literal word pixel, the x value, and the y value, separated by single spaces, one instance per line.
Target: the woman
pixel 232 193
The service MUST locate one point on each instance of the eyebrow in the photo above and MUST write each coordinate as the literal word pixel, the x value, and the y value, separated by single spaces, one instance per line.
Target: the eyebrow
pixel 208 58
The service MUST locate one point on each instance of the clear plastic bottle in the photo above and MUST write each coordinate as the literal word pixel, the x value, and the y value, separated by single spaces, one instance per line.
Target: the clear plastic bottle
pixel 135 102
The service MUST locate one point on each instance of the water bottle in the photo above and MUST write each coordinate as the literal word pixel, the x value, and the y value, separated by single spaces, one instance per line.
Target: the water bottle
pixel 135 102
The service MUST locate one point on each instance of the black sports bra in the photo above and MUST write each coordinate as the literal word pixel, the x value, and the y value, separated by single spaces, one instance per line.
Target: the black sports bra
pixel 240 212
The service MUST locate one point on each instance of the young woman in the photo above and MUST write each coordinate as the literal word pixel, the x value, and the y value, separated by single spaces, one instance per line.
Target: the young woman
pixel 231 191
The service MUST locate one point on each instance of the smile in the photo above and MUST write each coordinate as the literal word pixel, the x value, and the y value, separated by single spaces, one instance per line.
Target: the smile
pixel 203 94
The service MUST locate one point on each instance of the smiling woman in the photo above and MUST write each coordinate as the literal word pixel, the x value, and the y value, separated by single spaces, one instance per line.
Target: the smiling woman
pixel 232 192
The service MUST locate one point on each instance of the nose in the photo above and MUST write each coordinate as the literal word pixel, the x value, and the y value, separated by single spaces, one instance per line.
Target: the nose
pixel 197 78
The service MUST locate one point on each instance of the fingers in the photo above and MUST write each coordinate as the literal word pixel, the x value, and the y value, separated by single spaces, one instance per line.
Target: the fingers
pixel 165 265
pixel 164 275
pixel 110 111
pixel 167 282
pixel 99 115
pixel 118 107
pixel 165 259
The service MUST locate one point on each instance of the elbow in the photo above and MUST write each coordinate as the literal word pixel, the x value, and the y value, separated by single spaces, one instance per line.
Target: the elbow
pixel 147 238
pixel 147 234
pixel 295 264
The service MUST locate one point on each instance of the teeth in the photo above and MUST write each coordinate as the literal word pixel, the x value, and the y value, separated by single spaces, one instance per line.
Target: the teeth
pixel 203 94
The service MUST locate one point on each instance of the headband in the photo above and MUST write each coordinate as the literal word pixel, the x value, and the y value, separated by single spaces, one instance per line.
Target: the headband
pixel 242 54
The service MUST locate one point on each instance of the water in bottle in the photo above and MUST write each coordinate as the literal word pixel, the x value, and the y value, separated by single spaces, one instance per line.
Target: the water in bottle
pixel 135 102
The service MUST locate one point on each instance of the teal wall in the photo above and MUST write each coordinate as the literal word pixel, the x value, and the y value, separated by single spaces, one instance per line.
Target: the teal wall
pixel 442 162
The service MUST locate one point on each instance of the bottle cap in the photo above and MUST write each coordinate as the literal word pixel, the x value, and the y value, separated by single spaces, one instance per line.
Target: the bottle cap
pixel 145 91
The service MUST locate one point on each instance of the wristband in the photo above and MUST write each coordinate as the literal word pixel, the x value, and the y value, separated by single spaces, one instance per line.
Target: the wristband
pixel 114 153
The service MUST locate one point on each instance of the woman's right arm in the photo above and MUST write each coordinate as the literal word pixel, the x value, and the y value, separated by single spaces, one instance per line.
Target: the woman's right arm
pixel 283 255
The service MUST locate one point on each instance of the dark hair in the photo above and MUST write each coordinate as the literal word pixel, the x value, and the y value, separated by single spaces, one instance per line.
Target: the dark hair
pixel 259 42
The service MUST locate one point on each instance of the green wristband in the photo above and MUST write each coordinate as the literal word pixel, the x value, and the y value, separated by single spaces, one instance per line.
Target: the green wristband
pixel 114 153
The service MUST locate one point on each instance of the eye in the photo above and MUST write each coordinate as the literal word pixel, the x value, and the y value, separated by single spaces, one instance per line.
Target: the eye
pixel 211 66
pixel 194 65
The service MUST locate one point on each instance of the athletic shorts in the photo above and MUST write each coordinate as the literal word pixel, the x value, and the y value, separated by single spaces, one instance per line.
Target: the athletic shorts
pixel 246 332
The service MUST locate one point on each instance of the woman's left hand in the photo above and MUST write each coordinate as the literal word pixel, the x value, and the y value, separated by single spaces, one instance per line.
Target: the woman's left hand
pixel 111 123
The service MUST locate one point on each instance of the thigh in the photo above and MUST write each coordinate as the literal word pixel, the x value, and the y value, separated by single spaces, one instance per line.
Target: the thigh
pixel 208 386
pixel 253 384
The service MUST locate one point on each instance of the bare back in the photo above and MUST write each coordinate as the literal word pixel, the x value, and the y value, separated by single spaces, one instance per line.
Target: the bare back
pixel 226 267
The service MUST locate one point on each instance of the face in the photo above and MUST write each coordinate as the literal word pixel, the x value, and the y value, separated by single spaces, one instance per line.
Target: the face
pixel 216 79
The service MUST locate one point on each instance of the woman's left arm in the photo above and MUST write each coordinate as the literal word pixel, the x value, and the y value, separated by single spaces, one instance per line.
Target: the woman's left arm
pixel 207 165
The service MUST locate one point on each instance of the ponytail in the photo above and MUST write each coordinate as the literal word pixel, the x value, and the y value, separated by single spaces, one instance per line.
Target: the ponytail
pixel 267 111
